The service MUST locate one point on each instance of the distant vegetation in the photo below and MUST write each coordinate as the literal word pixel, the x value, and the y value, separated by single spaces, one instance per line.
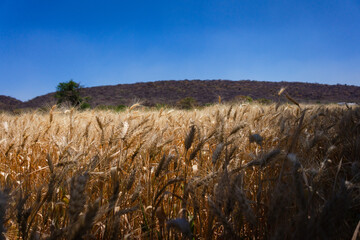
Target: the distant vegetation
pixel 187 103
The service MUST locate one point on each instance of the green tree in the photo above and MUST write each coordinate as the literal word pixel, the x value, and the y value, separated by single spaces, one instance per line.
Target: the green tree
pixel 70 92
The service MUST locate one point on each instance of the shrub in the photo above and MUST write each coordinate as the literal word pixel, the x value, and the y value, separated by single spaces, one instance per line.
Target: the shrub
pixel 118 108
pixel 263 101
pixel 187 103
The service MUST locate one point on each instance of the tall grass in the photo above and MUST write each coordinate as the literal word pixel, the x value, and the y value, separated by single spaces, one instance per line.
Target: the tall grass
pixel 222 172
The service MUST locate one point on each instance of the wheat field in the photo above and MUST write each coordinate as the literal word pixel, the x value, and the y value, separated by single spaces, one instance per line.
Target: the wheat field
pixel 222 172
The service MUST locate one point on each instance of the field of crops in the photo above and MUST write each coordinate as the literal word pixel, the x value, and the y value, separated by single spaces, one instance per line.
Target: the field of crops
pixel 222 172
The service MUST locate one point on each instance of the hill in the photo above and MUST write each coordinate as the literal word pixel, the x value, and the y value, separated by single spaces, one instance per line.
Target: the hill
pixel 7 103
pixel 203 91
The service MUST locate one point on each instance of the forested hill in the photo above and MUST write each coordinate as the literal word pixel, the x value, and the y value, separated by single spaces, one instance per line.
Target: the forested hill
pixel 203 91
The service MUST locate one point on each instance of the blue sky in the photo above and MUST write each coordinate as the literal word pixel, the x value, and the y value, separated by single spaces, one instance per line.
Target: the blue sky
pixel 104 42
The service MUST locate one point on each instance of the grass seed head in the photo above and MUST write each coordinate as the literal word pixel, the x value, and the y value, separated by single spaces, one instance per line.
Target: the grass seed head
pixel 189 138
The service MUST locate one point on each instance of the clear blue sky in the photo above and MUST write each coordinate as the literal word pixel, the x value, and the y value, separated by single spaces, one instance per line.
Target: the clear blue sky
pixel 104 42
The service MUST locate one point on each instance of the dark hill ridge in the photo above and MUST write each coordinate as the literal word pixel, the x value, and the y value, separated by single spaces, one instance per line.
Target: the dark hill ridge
pixel 8 103
pixel 204 91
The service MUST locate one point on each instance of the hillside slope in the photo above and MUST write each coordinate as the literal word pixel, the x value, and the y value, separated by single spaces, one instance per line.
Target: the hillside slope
pixel 8 103
pixel 204 91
